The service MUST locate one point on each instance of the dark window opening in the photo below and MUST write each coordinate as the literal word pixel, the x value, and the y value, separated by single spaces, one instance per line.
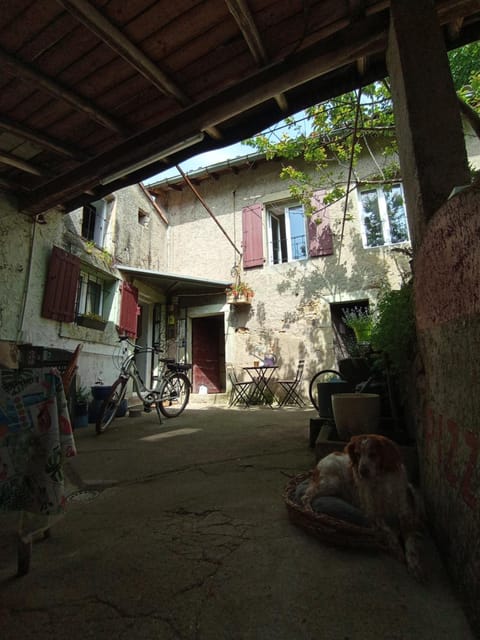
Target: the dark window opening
pixel 344 342
pixel 88 222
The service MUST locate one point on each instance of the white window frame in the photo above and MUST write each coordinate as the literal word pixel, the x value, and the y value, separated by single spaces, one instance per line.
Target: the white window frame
pixel 82 299
pixel 383 213
pixel 272 215
pixel 103 208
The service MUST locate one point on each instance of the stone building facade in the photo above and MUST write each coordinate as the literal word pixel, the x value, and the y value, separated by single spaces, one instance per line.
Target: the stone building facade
pixel 240 218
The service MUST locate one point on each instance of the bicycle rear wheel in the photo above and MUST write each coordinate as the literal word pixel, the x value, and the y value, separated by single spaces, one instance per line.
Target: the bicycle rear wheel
pixel 174 395
pixel 110 406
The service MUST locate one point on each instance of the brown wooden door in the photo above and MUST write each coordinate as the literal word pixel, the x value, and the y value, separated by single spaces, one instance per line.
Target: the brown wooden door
pixel 208 353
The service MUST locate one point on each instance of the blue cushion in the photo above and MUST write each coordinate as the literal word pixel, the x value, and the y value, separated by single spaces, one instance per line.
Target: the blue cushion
pixel 333 507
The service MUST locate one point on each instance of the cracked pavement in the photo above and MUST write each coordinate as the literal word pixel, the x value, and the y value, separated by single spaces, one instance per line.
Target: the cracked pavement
pixel 185 536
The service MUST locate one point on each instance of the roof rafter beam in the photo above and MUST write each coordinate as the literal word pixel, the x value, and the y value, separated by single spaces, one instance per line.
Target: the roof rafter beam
pixel 96 22
pixel 41 139
pixel 342 49
pixel 244 19
pixel 23 165
pixel 116 40
pixel 26 72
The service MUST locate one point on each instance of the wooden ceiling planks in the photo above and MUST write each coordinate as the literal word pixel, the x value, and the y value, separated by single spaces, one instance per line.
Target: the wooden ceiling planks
pixel 102 63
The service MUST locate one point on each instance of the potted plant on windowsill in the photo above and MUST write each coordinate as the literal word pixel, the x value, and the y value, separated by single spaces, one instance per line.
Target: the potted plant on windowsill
pixel 361 321
pixel 239 293
pixel 91 321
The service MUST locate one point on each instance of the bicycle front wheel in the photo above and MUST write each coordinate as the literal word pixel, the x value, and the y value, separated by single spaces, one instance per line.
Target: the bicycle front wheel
pixel 174 395
pixel 110 406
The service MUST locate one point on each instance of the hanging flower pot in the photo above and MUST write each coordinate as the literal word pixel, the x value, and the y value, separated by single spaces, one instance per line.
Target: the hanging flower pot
pixel 239 294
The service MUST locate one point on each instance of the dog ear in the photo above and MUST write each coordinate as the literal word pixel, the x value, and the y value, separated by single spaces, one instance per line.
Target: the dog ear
pixel 390 458
pixel 351 450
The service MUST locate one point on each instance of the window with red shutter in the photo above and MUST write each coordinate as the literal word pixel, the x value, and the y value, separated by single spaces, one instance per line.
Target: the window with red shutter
pixel 61 286
pixel 129 310
pixel 252 236
pixel 320 238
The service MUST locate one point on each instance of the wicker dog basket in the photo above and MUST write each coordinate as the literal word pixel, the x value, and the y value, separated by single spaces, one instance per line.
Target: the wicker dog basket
pixel 330 530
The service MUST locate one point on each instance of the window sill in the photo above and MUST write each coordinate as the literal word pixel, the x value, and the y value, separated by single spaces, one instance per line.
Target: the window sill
pixel 91 323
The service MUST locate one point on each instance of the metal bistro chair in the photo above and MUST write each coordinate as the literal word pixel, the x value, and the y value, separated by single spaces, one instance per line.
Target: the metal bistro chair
pixel 240 392
pixel 290 387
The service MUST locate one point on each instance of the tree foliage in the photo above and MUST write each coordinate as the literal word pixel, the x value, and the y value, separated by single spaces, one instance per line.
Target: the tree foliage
pixel 331 136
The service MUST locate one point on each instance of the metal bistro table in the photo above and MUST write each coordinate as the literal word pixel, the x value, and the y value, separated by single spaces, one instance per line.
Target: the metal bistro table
pixel 261 377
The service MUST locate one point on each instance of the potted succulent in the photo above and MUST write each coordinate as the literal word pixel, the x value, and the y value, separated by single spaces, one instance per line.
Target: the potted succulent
pixel 239 293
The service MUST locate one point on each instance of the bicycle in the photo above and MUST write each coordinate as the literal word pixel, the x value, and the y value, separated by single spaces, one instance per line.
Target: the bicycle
pixel 170 394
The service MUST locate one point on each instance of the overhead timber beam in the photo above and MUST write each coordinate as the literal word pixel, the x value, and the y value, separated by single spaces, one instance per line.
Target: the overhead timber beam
pixel 19 163
pixel 116 40
pixel 26 72
pixel 342 49
pixel 47 142
pixel 244 19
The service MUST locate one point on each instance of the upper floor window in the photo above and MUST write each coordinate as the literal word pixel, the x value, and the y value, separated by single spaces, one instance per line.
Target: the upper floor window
pixel 94 221
pixel 382 216
pixel 291 235
pixel 287 238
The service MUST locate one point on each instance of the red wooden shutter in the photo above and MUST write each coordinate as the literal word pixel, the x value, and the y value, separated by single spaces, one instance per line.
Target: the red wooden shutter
pixel 320 238
pixel 61 286
pixel 252 236
pixel 129 310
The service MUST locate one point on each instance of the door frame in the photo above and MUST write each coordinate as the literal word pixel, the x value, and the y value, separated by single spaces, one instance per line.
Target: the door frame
pixel 204 312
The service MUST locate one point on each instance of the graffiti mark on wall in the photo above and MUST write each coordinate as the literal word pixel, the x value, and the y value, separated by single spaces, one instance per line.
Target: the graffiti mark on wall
pixel 455 451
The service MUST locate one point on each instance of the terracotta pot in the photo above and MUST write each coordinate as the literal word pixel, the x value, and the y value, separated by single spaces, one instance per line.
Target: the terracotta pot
pixel 356 413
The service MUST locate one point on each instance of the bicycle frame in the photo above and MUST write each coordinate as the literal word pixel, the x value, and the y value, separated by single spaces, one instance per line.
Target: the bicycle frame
pixel 130 370
pixel 170 394
pixel 169 370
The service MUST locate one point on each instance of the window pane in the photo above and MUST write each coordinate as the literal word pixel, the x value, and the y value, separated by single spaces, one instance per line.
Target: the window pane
pixel 371 219
pixel 396 214
pixel 298 240
pixel 276 250
pixel 94 296
pixel 88 221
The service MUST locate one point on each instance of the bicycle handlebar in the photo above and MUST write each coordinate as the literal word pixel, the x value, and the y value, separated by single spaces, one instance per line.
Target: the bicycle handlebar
pixel 137 348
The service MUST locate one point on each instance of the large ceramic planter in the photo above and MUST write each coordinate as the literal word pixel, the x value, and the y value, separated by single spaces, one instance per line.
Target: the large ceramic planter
pixel 325 391
pixel 356 413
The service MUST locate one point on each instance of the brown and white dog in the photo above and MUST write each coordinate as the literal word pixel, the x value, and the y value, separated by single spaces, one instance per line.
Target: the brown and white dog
pixel 370 474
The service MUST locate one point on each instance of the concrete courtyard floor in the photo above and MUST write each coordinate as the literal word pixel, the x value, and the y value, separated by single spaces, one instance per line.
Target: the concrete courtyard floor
pixel 180 531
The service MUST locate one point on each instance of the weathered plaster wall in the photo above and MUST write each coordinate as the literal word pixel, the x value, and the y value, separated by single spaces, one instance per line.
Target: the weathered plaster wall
pixel 291 304
pixel 447 293
pixel 135 243
pixel 25 249
pixel 15 241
